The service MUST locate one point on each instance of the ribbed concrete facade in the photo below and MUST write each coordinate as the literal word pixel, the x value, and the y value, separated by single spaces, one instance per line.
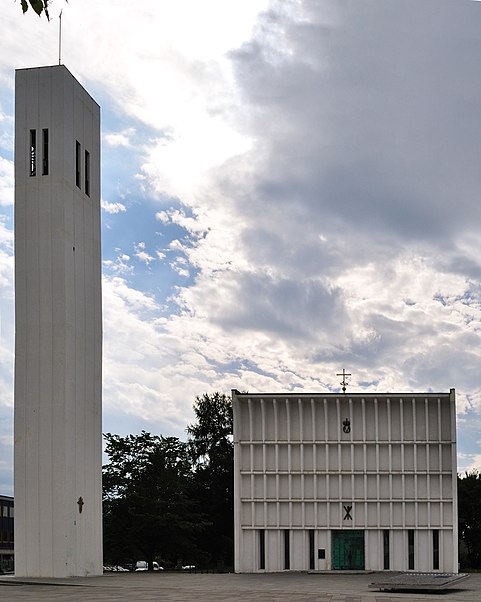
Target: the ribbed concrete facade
pixel 58 341
pixel 345 482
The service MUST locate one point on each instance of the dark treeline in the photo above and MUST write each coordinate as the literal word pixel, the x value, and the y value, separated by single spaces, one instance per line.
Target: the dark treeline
pixel 469 513
pixel 171 501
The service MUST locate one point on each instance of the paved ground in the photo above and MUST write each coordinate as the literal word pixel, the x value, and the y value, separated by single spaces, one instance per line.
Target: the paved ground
pixel 185 587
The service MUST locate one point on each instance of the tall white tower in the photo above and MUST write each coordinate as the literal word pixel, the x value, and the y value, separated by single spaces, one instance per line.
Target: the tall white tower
pixel 58 339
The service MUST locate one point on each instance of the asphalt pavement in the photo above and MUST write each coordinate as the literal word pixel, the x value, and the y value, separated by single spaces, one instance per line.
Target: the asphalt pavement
pixel 195 587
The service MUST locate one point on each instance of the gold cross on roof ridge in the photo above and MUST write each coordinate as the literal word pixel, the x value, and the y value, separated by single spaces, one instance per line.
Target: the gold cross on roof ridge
pixel 344 382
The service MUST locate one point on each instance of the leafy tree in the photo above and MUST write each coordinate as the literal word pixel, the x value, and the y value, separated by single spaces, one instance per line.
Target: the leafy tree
pixel 469 511
pixel 39 6
pixel 149 503
pixel 212 451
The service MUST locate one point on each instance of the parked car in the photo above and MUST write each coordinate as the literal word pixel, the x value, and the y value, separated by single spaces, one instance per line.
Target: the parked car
pixel 143 565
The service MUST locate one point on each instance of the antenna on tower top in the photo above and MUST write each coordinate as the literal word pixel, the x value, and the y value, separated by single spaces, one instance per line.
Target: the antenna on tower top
pixel 60 38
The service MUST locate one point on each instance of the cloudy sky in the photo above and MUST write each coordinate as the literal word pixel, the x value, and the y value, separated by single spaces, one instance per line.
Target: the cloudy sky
pixel 288 188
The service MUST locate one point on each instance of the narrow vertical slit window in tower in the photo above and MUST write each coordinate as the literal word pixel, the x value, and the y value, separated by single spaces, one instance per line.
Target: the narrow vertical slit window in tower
pixel 77 163
pixel 45 152
pixel 33 152
pixel 87 173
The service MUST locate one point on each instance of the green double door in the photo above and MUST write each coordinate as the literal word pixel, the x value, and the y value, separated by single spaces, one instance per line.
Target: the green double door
pixel 348 550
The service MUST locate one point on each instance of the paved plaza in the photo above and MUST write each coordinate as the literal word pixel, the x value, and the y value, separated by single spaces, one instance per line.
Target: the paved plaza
pixel 185 587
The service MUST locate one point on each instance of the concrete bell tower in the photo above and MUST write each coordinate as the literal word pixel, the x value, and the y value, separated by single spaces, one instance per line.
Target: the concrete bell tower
pixel 58 320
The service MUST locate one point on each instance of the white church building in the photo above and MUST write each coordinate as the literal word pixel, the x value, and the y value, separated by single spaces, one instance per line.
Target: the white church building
pixel 345 481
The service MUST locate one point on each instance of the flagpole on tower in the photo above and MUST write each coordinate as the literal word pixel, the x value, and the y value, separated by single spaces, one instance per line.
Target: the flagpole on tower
pixel 60 38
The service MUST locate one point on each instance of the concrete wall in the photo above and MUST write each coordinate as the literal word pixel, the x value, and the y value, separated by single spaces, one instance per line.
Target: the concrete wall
pixel 300 461
pixel 58 345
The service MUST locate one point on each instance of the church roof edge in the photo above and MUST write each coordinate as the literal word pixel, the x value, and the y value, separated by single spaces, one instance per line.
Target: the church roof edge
pixel 406 394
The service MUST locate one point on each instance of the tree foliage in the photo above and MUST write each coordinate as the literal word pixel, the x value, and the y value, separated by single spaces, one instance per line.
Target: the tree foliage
pixel 169 500
pixel 210 437
pixel 469 512
pixel 150 510
pixel 39 6
pixel 212 452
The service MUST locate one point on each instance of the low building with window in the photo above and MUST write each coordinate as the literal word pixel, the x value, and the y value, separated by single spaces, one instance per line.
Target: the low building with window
pixel 345 481
pixel 6 533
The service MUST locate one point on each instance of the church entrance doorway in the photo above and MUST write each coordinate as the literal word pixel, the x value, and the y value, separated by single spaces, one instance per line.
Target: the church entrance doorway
pixel 348 550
